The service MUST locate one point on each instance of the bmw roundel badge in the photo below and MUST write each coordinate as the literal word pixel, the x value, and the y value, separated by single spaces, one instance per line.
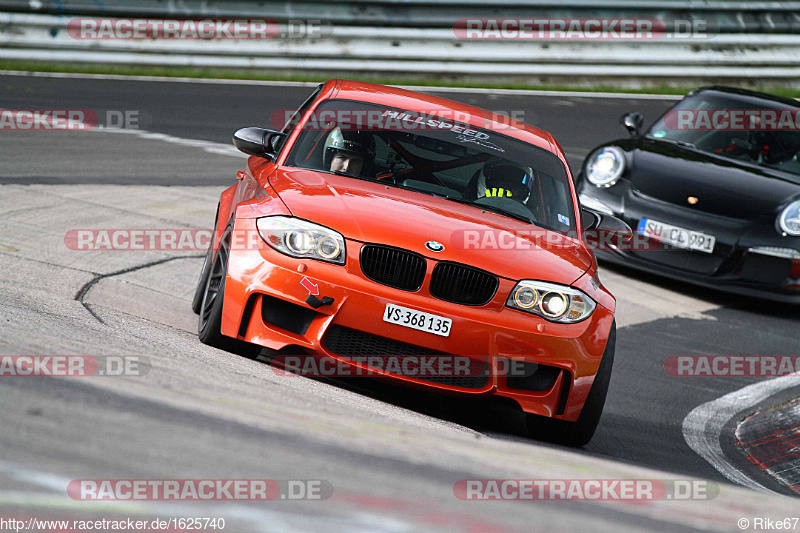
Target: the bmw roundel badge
pixel 434 246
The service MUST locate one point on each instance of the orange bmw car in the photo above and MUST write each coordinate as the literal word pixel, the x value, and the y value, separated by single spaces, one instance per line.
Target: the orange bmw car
pixel 425 241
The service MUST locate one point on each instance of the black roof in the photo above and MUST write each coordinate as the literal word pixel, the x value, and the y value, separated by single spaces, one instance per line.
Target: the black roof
pixel 736 91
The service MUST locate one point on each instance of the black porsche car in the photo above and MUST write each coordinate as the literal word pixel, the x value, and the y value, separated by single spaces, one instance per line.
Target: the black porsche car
pixel 712 190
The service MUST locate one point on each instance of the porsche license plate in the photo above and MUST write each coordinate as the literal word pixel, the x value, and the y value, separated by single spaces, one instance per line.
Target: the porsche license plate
pixel 676 236
pixel 411 318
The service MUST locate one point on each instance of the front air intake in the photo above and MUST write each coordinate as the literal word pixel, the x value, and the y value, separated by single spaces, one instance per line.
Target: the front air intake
pixel 462 284
pixel 394 267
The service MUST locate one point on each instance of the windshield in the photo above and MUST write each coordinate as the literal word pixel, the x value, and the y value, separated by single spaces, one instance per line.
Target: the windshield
pixel 437 156
pixel 749 129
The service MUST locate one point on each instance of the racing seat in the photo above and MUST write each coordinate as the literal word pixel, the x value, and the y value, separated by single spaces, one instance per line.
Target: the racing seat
pixel 471 191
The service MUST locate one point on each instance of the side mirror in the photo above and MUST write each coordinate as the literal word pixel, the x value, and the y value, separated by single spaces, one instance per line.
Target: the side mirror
pixel 590 219
pixel 601 229
pixel 633 123
pixel 256 141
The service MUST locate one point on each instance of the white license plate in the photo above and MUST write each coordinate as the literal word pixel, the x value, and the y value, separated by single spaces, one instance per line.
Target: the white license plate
pixel 411 318
pixel 676 236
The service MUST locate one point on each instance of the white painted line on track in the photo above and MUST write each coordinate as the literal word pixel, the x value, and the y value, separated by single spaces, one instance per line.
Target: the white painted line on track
pixel 703 426
pixel 166 79
pixel 533 92
pixel 218 81
pixel 206 146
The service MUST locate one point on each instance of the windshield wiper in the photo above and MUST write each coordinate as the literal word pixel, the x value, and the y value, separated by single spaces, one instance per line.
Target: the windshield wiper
pixel 346 175
pixel 504 212
pixel 343 173
pixel 673 141
pixel 493 209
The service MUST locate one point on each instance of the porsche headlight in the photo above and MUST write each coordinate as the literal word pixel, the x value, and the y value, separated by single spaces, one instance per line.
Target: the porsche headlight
pixel 605 166
pixel 552 301
pixel 300 238
pixel 789 219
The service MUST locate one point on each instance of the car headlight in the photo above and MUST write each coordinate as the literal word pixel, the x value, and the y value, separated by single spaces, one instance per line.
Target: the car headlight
pixel 789 219
pixel 303 239
pixel 552 301
pixel 605 166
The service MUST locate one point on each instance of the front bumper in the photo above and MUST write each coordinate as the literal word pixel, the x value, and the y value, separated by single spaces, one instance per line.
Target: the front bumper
pixel 741 262
pixel 729 284
pixel 260 279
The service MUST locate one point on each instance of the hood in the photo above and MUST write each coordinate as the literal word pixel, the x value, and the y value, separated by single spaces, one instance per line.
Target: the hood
pixel 375 213
pixel 673 173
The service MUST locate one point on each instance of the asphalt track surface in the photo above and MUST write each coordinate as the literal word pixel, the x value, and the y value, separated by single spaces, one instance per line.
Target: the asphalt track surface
pixel 389 452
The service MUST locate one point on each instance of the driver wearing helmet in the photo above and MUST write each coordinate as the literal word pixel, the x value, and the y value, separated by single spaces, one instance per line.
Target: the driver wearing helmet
pixel 506 180
pixel 350 152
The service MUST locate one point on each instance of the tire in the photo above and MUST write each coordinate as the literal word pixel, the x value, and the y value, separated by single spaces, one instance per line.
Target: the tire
pixel 209 322
pixel 199 292
pixel 580 432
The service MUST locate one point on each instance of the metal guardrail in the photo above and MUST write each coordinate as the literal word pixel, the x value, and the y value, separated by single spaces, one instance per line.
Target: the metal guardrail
pixel 423 50
pixel 726 16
